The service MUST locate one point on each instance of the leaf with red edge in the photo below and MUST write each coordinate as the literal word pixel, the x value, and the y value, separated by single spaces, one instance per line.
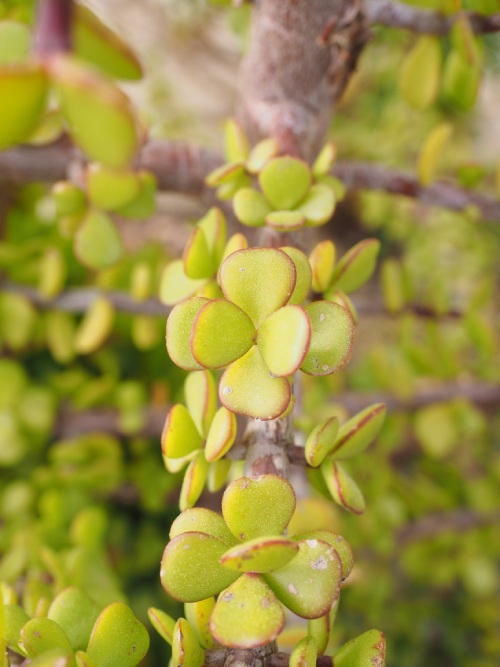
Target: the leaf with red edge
pixel 342 487
pixel 179 325
pixel 247 614
pixel 180 436
pixel 283 340
pixel 248 388
pixel 258 280
pixel 331 340
pixel 221 333
pixel 221 435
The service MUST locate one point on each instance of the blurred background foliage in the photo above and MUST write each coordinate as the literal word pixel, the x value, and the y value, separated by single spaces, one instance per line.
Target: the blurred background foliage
pixel 79 506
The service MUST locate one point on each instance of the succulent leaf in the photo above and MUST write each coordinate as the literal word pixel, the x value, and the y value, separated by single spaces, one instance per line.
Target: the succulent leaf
pixel 318 205
pixel 198 617
pixel 262 554
pixel 305 653
pixel 76 614
pixel 248 388
pixel 175 286
pixel 162 623
pixel 191 553
pixel 364 651
pixel 331 340
pixel 359 432
pixel 309 584
pixel 180 436
pixel 342 487
pixel 303 275
pixel 118 639
pixel 247 614
pixel 340 544
pixel 200 393
pixel 194 481
pixel 321 441
pixel 258 506
pixel 202 520
pixel 283 340
pixel 258 280
pixel 251 207
pixel 221 435
pixel 285 181
pixel 221 333
pixel 356 266
pixel 186 650
pixel 179 325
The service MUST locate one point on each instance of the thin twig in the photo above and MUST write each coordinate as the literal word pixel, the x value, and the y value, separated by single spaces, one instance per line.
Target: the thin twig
pixel 398 15
pixel 181 167
pixel 366 176
pixel 71 422
pixel 53 29
pixel 455 521
pixel 78 300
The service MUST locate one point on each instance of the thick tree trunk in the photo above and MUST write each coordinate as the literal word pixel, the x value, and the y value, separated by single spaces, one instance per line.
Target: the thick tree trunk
pixel 301 56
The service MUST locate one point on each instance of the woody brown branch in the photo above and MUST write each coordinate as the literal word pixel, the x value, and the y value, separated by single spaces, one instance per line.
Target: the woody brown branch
pixel 398 15
pixel 181 167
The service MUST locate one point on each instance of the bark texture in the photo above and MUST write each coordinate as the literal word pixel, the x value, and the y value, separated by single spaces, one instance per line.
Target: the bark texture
pixel 301 57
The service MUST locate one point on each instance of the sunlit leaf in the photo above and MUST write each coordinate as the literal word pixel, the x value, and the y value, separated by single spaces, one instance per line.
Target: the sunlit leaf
pixel 331 340
pixel 283 340
pixel 248 388
pixel 200 392
pixel 221 435
pixel 285 181
pixel 321 441
pixel 342 487
pixel 364 651
pixel 97 242
pixel 359 432
pixel 118 638
pixel 356 266
pixel 247 614
pixel 258 506
pixel 180 436
pixel 263 554
pixel 186 650
pixel 179 325
pixel 202 520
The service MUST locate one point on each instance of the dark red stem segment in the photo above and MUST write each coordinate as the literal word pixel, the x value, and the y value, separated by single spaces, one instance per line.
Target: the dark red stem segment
pixel 53 32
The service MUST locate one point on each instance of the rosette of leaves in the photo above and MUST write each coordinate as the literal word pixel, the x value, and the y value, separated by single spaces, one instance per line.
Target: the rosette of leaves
pixel 328 445
pixel 335 280
pixel 75 630
pixel 259 332
pixel 205 249
pixel 250 565
pixel 198 436
pixel 291 194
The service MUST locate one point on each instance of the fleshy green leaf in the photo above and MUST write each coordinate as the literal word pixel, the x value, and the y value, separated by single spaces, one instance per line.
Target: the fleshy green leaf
pixel 180 436
pixel 15 41
pixel 23 90
pixel 198 616
pixel 247 614
pixel 303 274
pixel 285 181
pixel 221 435
pixel 262 554
pixel 76 614
pixel 236 146
pixel 258 506
pixel 356 266
pixel 97 44
pixel 144 204
pixel 213 225
pixel 191 553
pixel 202 520
pixel 162 623
pixel 200 392
pixel 310 583
pixel 340 544
pixel 225 174
pixel 285 221
pixel 43 634
pixel 318 205
pixel 258 280
pixel 325 160
pixel 283 340
pixel 109 188
pixel 430 154
pixel 305 653
pixel 420 72
pixel 367 650
pixel 186 650
pixel 175 286
pixel 331 340
pixel 118 638
pixel 193 482
pixel 95 327
pixel 251 207
pixel 248 388
pixel 97 242
pixel 342 487
pixel 319 629
pixel 359 432
pixel 179 325
pixel 197 259
pixel 14 619
pixel 322 260
pixel 236 242
pixel 98 113
pixel 218 472
pixel 321 441
pixel 56 657
pixel 260 155
pixel 221 333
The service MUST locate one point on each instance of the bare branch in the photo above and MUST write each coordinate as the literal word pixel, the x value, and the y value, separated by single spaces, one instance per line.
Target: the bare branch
pixel 365 176
pixel 53 28
pixel 78 300
pixel 301 56
pixel 181 167
pixel 398 15
pixel 484 394
pixel 455 521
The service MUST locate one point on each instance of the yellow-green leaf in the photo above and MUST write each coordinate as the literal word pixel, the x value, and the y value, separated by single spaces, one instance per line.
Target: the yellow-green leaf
pixel 331 340
pixel 283 340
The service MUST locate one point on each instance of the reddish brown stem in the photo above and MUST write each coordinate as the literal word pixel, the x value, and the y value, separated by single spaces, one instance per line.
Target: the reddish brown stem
pixel 53 32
